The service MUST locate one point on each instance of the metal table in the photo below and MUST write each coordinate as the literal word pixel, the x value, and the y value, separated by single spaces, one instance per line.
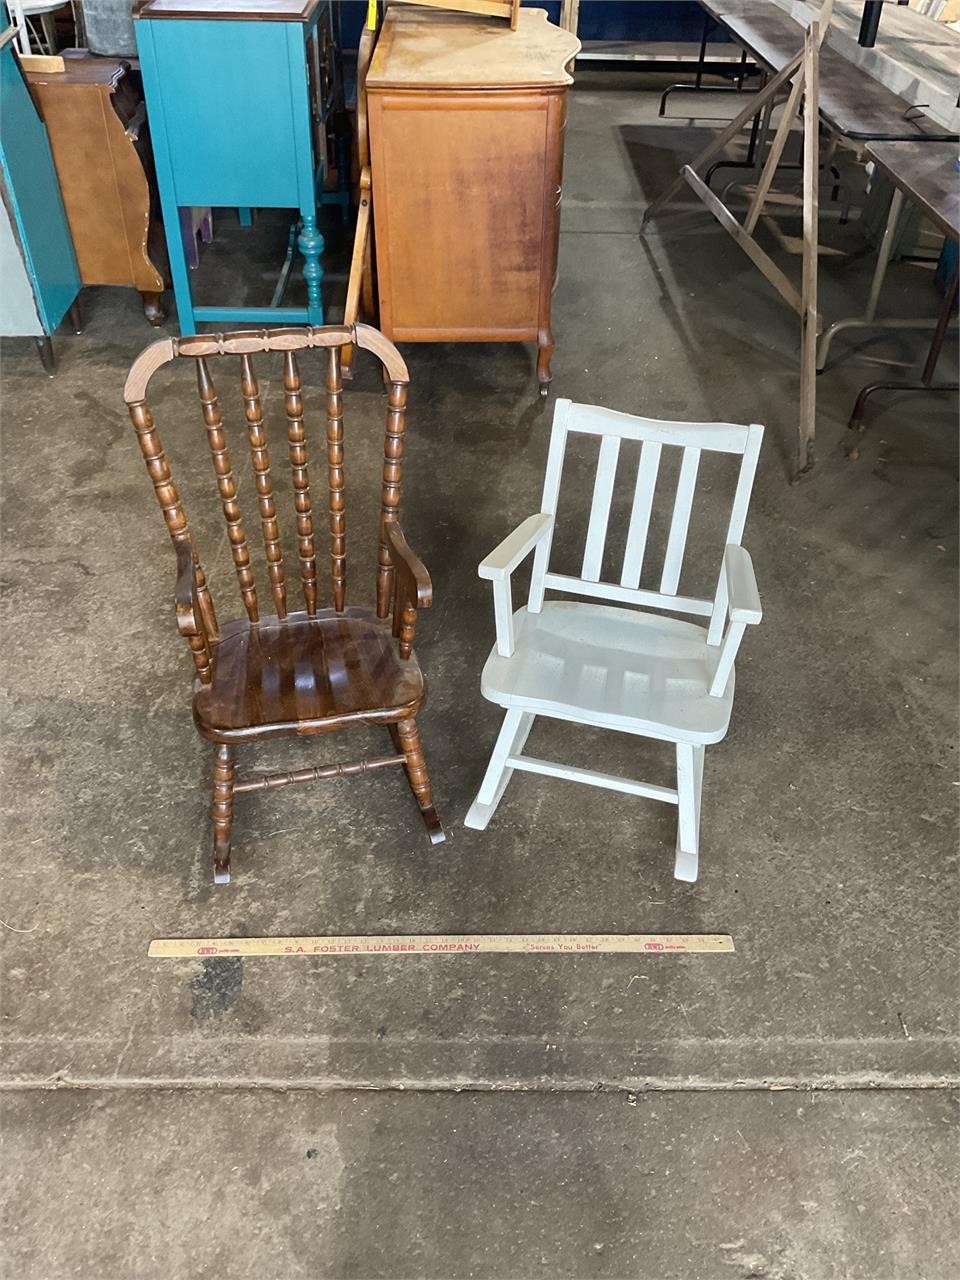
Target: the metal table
pixel 927 176
pixel 852 102
pixel 833 90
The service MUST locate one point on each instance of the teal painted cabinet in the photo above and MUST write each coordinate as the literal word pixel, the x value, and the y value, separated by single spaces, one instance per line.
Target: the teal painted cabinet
pixel 238 94
pixel 38 267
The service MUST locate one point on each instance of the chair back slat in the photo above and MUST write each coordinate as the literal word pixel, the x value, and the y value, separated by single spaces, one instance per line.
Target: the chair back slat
pixel 338 516
pixel 296 436
pixel 600 508
pixel 228 489
pixel 260 456
pixel 204 600
pixel 550 500
pixel 741 499
pixel 680 522
pixel 690 440
pixel 640 513
pixel 175 518
pixel 390 494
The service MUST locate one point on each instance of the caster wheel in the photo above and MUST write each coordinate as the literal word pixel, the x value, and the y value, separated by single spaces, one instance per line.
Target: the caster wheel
pixel 544 389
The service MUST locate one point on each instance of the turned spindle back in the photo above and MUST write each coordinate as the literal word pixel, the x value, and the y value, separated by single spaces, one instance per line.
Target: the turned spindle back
pixel 205 349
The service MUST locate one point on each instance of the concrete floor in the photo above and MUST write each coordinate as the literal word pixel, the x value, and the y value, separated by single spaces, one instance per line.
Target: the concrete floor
pixel 782 1113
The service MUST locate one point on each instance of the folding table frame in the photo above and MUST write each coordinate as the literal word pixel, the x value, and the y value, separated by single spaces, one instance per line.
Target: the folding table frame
pixel 804 72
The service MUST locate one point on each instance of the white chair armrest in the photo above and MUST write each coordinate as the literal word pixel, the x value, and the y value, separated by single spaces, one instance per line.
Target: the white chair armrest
pixel 743 596
pixel 739 600
pixel 500 563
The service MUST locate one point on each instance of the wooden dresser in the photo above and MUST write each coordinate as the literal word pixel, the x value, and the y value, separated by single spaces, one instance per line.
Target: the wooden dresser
pixel 95 121
pixel 466 123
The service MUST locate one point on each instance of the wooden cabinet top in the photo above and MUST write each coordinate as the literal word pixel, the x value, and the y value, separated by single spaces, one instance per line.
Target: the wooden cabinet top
pixel 231 10
pixel 427 49
pixel 87 70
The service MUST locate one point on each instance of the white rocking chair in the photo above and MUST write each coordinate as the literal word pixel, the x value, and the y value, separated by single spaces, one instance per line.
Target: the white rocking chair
pixel 616 668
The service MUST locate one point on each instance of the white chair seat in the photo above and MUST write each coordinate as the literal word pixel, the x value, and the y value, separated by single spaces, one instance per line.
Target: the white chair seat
pixel 614 668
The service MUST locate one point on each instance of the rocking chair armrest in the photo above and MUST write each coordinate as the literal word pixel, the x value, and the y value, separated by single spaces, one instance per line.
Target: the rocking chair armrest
pixel 516 546
pixel 743 596
pixel 185 592
pixel 411 568
pixel 500 564
pixel 739 587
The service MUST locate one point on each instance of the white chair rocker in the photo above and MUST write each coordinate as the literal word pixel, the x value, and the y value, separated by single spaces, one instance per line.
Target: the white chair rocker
pixel 615 668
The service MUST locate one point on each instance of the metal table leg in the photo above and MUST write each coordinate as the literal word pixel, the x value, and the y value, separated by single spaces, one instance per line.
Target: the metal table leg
pixel 869 318
pixel 759 132
pixel 744 69
pixel 870 23
pixel 701 62
pixel 926 382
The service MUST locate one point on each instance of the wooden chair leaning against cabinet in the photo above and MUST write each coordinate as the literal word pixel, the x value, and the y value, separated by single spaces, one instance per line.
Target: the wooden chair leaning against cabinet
pixel 308 671
pixel 614 668
pixel 360 282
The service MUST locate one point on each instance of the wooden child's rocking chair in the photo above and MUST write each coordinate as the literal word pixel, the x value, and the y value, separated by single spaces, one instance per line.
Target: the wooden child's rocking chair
pixel 307 671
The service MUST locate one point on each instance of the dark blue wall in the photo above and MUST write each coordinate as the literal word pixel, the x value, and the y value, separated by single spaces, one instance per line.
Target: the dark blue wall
pixel 648 20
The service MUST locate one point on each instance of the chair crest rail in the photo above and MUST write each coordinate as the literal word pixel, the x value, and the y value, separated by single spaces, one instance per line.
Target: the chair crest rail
pixel 245 342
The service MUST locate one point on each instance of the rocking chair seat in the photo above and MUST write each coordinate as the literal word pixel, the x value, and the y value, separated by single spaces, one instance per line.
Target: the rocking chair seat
pixel 306 675
pixel 613 668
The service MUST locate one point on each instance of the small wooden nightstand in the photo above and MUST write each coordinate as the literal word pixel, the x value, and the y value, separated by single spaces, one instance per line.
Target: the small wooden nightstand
pixel 240 95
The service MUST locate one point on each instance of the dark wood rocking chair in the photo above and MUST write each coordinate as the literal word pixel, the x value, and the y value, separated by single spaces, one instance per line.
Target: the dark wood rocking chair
pixel 314 670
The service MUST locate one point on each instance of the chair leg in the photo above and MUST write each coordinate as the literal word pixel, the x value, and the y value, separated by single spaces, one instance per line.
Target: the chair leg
pixel 47 357
pixel 689 789
pixel 222 812
pixel 407 738
pixel 513 734
pixel 153 307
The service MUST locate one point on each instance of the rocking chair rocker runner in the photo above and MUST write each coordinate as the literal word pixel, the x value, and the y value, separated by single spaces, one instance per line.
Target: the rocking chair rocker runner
pixel 308 671
pixel 615 668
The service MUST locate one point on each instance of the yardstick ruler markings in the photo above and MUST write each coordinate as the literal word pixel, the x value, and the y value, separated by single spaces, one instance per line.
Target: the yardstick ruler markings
pixel 446 944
